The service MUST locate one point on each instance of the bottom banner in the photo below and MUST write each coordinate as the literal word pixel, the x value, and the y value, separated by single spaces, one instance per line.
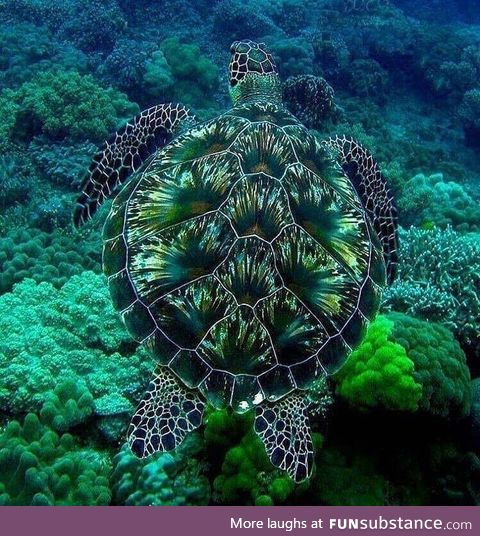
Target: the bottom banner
pixel 221 521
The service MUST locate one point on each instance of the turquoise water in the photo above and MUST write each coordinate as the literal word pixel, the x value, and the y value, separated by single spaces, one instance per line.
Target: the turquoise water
pixel 399 423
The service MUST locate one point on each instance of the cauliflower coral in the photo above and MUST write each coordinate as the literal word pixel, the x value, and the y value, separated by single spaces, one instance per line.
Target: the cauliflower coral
pixel 63 104
pixel 51 334
pixel 408 364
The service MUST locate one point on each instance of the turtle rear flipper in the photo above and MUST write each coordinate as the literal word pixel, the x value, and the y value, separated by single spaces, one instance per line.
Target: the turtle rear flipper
pixel 165 415
pixel 284 428
pixel 125 152
pixel 367 179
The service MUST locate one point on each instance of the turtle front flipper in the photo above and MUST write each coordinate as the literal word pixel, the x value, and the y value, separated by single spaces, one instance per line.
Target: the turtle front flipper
pixel 284 428
pixel 363 171
pixel 164 417
pixel 125 152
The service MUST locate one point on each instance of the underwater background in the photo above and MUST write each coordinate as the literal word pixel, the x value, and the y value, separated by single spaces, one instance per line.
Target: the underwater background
pixel 400 76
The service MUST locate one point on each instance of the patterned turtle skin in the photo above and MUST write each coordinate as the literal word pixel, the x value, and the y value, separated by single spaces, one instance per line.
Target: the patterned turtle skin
pixel 243 256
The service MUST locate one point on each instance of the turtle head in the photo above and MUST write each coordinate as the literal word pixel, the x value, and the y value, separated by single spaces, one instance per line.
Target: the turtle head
pixel 253 73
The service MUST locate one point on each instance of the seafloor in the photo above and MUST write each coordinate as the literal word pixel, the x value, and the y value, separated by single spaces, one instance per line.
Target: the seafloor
pixel 404 425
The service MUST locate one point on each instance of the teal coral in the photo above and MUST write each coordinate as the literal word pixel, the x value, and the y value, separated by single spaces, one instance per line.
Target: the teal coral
pixel 62 104
pixel 39 467
pixel 52 257
pixel 179 71
pixel 70 333
pixel 432 200
pixel 171 478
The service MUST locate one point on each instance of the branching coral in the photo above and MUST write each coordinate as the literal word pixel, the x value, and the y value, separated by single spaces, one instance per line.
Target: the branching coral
pixel 408 364
pixel 439 278
pixel 39 467
pixel 171 478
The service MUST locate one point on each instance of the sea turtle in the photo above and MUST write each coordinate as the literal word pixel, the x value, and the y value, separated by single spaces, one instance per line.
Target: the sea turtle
pixel 246 254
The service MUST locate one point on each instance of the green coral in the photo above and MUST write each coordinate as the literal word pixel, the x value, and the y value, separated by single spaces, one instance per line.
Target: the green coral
pixel 407 364
pixel 379 372
pixel 438 279
pixel 248 476
pixel 440 365
pixel 40 467
pixel 68 405
pixel 51 334
pixel 179 71
pixel 346 478
pixel 52 257
pixel 435 201
pixel 62 104
pixel 172 478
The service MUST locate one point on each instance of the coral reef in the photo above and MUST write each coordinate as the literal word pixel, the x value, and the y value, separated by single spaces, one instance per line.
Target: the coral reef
pixel 438 279
pixel 469 112
pixel 52 257
pixel 400 76
pixel 433 201
pixel 379 372
pixel 180 72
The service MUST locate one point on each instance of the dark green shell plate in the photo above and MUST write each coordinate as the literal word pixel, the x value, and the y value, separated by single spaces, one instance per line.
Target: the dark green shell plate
pixel 243 258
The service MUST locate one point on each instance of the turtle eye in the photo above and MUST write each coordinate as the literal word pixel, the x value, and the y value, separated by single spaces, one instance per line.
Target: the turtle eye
pixel 233 82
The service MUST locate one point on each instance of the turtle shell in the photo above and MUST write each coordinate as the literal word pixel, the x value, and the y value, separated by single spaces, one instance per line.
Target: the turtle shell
pixel 243 258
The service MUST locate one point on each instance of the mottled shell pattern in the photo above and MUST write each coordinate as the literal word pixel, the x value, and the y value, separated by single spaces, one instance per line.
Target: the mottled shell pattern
pixel 242 257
